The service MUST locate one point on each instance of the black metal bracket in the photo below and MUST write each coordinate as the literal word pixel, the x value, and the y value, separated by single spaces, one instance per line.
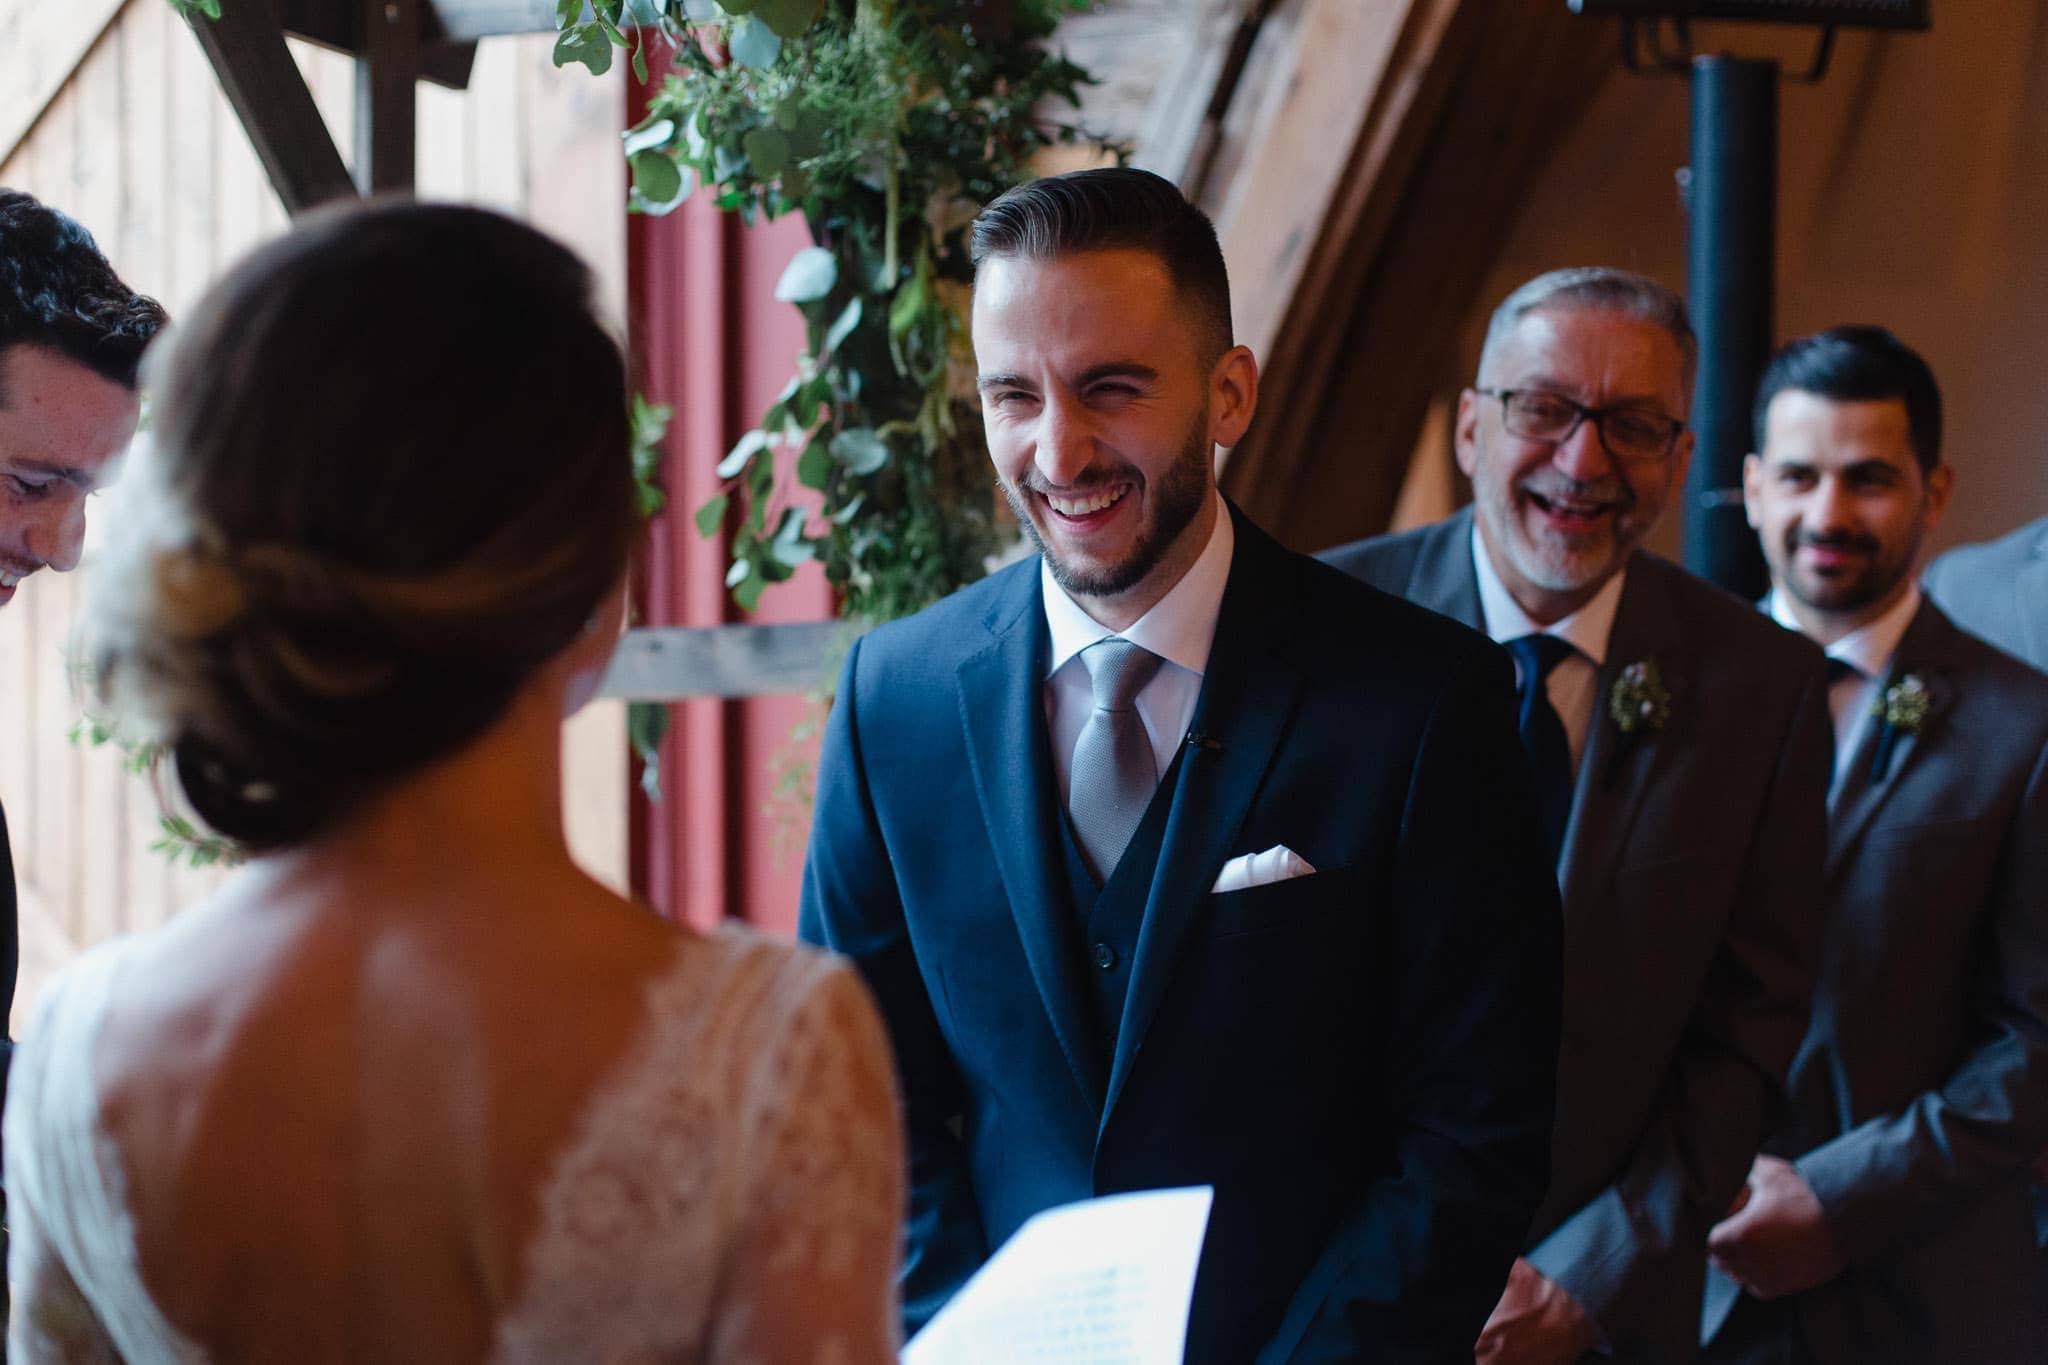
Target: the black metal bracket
pixel 1660 61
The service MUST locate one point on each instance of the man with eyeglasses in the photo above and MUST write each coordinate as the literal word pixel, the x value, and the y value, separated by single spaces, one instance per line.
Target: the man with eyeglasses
pixel 1681 744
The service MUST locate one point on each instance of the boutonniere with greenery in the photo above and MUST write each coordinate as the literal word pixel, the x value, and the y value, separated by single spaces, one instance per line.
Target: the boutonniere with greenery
pixel 1901 708
pixel 1639 704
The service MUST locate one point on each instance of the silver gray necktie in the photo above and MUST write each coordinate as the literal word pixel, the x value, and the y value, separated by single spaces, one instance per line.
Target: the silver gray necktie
pixel 1113 774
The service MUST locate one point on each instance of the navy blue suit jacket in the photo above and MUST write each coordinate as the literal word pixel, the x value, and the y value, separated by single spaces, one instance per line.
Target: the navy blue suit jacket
pixel 1360 1061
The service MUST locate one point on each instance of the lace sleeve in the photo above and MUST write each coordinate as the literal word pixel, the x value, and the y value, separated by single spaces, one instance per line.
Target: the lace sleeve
pixel 811 1274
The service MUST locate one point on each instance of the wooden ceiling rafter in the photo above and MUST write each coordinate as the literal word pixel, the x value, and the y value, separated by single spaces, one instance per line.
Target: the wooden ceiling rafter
pixel 1362 222
pixel 396 44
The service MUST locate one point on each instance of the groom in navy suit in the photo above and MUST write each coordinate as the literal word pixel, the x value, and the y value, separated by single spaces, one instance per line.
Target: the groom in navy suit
pixel 1176 858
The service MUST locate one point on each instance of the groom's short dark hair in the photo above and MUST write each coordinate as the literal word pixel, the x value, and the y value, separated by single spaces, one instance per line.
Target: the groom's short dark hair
pixel 1115 208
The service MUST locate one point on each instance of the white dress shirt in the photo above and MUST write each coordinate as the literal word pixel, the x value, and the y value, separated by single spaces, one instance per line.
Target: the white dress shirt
pixel 1867 649
pixel 1573 682
pixel 1179 629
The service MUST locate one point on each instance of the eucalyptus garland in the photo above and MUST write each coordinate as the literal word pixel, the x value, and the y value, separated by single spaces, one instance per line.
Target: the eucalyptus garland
pixel 887 125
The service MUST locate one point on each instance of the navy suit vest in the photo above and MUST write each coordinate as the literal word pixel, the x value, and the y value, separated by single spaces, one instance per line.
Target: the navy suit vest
pixel 1109 915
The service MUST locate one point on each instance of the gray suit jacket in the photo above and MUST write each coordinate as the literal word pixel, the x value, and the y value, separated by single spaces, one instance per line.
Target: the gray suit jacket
pixel 1999 590
pixel 1691 875
pixel 1921 1090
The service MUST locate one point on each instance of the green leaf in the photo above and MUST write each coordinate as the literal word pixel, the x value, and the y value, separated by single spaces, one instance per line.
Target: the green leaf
pixel 754 44
pixel 640 57
pixel 658 178
pixel 789 18
pixel 851 510
pixel 842 327
pixel 737 571
pixel 587 44
pixel 748 593
pixel 814 466
pixel 742 454
pixel 810 274
pixel 647 724
pixel 567 12
pixel 711 516
pixel 767 152
pixel 789 546
pixel 649 132
pixel 860 450
pixel 907 306
pixel 727 161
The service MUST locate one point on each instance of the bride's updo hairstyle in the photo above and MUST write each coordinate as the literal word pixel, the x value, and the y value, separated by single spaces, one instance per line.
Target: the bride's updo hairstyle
pixel 388 475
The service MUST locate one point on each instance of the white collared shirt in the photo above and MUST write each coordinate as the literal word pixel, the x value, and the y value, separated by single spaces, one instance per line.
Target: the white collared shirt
pixel 1179 629
pixel 1573 682
pixel 1868 649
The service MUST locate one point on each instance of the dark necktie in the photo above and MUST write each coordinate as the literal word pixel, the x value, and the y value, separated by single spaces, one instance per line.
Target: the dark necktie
pixel 1550 752
pixel 1114 771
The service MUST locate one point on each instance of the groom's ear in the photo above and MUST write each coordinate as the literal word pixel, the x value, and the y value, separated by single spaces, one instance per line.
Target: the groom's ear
pixel 1233 395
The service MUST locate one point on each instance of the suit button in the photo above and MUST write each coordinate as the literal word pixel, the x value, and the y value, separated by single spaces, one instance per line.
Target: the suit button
pixel 1105 957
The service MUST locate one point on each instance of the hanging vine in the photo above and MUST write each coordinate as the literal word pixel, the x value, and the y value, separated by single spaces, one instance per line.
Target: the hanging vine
pixel 886 125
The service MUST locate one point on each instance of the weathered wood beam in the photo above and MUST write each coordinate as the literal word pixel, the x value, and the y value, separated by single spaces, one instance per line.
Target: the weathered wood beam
pixel 1376 339
pixel 466 21
pixel 247 51
pixel 387 96
pixel 677 663
pixel 43 45
pixel 338 25
pixel 1319 186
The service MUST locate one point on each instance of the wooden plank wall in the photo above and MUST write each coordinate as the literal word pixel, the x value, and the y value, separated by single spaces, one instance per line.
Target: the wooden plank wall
pixel 140 145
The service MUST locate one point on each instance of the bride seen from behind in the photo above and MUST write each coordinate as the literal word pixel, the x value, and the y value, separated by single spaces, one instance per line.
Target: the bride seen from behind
pixel 411 1086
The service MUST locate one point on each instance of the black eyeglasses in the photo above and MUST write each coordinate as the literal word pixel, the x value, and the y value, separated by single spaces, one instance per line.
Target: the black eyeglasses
pixel 1628 433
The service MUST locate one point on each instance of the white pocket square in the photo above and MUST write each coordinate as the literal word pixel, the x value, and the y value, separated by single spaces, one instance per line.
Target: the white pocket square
pixel 1277 864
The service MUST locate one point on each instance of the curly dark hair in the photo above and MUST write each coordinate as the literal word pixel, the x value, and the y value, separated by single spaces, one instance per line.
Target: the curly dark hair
pixel 59 292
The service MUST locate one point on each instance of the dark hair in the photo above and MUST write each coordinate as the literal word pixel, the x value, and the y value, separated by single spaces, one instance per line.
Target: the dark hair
pixel 1116 207
pixel 1596 288
pixel 389 476
pixel 57 291
pixel 1858 364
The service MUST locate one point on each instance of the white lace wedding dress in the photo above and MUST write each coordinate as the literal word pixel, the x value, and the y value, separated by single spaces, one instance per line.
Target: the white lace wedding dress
pixel 721 1177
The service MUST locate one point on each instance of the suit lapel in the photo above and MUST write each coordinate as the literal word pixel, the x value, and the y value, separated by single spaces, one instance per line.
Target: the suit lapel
pixel 1444 579
pixel 1248 696
pixel 1002 707
pixel 2030 589
pixel 1858 796
pixel 1616 769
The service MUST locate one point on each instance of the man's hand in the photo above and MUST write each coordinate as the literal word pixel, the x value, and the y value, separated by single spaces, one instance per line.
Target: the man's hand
pixel 1535 1323
pixel 1776 1242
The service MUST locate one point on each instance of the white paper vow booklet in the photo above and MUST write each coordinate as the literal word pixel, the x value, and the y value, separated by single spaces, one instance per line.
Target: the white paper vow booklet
pixel 1102 1282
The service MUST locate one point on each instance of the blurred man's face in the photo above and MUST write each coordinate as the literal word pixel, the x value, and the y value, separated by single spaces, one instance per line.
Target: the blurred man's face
pixel 1102 419
pixel 1841 505
pixel 61 428
pixel 1560 517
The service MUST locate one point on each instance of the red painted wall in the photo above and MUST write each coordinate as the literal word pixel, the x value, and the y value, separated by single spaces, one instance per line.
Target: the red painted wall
pixel 710 338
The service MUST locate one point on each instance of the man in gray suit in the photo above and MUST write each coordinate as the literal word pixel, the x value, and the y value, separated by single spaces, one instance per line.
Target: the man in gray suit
pixel 1888 1217
pixel 1999 590
pixel 1682 741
